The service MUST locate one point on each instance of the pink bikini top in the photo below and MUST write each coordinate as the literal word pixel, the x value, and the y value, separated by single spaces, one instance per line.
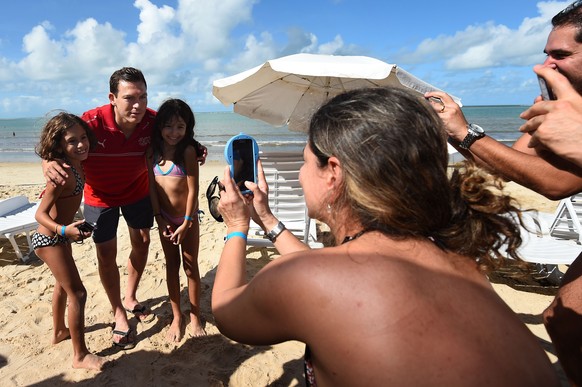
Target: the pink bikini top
pixel 175 170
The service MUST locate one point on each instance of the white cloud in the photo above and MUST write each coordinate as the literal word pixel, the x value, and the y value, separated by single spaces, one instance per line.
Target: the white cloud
pixel 207 25
pixel 183 49
pixel 93 47
pixel 332 47
pixel 489 44
pixel 154 21
pixel 256 51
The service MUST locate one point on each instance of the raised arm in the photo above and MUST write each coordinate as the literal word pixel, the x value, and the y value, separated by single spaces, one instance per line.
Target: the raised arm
pixel 539 171
pixel 259 312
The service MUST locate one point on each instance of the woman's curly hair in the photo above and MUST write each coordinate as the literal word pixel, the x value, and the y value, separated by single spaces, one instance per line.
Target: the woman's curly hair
pixel 393 150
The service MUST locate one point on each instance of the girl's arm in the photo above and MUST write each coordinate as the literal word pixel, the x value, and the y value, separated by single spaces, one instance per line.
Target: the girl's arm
pixel 193 174
pixel 42 216
pixel 162 223
pixel 192 179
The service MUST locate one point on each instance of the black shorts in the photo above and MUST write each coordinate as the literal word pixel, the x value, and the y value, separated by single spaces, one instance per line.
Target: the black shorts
pixel 138 215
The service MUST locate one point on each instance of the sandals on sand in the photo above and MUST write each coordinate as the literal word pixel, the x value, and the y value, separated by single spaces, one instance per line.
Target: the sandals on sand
pixel 127 340
pixel 213 196
pixel 142 313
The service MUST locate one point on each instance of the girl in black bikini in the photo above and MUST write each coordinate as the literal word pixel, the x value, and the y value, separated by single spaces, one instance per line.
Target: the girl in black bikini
pixel 66 137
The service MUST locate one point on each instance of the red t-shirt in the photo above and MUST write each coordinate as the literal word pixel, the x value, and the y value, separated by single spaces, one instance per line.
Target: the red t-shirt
pixel 115 171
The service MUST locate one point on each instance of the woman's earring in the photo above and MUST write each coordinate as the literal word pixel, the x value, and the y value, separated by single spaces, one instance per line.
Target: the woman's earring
pixel 328 207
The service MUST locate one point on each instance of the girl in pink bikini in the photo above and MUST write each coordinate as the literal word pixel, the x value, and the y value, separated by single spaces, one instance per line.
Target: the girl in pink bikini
pixel 173 172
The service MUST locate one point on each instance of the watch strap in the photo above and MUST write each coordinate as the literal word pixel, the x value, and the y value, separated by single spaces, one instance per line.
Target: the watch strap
pixel 276 231
pixel 470 138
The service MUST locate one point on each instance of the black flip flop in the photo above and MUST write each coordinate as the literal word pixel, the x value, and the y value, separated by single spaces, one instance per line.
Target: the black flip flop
pixel 127 336
pixel 213 196
pixel 142 313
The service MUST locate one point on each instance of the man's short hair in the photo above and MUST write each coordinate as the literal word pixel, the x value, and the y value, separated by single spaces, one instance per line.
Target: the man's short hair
pixel 127 74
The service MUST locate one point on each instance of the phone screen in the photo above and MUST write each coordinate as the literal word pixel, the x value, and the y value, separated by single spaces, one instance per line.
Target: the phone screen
pixel 243 162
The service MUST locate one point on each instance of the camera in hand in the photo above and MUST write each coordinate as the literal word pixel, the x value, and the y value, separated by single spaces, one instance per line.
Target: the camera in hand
pixel 546 92
pixel 242 153
pixel 86 227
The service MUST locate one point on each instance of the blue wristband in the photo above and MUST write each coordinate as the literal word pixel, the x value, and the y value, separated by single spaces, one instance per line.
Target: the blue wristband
pixel 188 217
pixel 236 234
pixel 63 227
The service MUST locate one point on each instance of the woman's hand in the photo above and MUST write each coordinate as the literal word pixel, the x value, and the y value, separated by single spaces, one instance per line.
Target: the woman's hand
pixel 260 210
pixel 233 206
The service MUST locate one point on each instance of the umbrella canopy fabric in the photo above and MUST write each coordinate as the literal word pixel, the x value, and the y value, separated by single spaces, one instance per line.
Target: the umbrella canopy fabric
pixel 290 89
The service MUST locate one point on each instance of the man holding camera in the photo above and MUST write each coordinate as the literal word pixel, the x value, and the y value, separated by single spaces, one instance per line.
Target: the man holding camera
pixel 546 159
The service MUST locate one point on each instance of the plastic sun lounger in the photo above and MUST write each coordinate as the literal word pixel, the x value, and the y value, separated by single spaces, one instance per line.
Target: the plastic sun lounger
pixel 545 250
pixel 286 199
pixel 17 217
pixel 565 223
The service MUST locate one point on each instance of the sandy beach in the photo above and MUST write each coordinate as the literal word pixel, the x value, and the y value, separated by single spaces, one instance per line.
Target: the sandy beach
pixel 28 358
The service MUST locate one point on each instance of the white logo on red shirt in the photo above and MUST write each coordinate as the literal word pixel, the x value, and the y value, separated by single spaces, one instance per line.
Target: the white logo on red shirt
pixel 143 141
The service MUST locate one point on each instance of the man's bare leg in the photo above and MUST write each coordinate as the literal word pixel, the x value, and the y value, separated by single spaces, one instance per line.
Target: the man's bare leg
pixel 140 242
pixel 110 279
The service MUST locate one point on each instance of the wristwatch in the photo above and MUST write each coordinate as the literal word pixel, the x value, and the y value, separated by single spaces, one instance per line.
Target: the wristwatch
pixel 276 231
pixel 474 132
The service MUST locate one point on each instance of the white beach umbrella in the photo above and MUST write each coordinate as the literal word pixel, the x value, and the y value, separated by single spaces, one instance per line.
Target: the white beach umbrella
pixel 288 90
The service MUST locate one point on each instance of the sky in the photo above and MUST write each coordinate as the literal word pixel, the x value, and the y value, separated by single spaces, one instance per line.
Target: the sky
pixel 59 54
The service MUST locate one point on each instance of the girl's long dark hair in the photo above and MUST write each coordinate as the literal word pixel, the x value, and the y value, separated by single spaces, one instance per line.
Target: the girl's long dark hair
pixel 169 110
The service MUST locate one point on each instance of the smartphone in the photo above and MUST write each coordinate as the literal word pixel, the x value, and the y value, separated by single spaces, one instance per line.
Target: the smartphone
pixel 546 91
pixel 86 227
pixel 242 153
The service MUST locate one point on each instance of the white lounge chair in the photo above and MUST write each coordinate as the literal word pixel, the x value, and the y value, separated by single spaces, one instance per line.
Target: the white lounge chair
pixel 565 222
pixel 545 250
pixel 286 199
pixel 17 217
pixel 563 225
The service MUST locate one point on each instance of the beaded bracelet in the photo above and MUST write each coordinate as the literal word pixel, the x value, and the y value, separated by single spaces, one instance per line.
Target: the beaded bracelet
pixel 236 234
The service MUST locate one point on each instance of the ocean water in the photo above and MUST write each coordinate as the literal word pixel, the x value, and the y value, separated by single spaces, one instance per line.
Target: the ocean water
pixel 18 137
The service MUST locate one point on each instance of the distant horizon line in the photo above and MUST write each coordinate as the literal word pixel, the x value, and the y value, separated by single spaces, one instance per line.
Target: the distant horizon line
pixel 219 111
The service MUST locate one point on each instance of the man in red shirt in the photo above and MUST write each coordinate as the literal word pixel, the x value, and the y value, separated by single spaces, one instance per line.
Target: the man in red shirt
pixel 117 181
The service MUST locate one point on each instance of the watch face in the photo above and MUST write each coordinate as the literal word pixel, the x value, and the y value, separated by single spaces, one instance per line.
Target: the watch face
pixel 476 128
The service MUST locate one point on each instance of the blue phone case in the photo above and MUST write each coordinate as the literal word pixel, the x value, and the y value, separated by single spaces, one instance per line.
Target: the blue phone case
pixel 231 155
